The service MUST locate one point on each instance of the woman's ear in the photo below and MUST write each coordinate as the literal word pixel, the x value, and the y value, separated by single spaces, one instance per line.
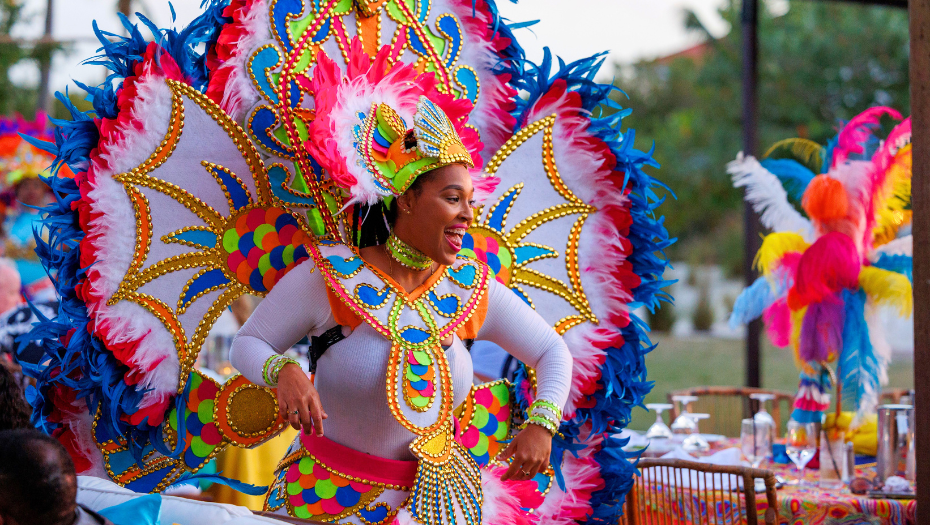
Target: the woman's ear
pixel 405 203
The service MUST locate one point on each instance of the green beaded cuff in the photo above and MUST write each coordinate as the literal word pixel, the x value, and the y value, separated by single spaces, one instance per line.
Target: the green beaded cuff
pixel 546 409
pixel 273 367
pixel 543 422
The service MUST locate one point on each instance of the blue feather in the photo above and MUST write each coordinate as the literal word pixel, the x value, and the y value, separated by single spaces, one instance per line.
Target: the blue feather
pixel 903 264
pixel 793 175
pixel 755 299
pixel 859 367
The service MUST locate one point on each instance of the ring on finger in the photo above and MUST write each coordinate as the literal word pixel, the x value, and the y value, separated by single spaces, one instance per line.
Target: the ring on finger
pixel 295 412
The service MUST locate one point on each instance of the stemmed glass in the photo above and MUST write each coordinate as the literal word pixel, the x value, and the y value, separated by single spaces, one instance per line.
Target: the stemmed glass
pixel 659 430
pixel 755 440
pixel 763 417
pixel 695 442
pixel 802 444
pixel 684 424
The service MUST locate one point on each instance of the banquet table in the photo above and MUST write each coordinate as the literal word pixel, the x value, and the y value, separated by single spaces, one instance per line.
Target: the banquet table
pixel 808 505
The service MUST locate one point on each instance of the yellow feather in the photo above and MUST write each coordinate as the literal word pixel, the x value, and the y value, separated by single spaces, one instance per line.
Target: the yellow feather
pixel 775 246
pixel 888 288
pixel 805 151
pixel 893 199
pixel 797 316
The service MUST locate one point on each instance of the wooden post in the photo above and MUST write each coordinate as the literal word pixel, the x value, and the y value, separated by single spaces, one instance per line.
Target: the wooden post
pixel 752 242
pixel 920 202
pixel 45 67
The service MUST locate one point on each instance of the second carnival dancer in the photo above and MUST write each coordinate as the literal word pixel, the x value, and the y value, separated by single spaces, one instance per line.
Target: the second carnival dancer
pixel 381 409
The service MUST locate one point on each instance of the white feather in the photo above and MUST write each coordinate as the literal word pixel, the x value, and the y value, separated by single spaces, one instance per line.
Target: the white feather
pixel 901 246
pixel 115 246
pixel 767 196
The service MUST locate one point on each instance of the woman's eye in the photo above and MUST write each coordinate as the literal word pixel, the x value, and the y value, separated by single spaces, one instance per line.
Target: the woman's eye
pixel 472 203
pixel 453 199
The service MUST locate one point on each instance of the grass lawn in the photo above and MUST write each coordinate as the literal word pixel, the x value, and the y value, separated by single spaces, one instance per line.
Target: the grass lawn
pixel 682 363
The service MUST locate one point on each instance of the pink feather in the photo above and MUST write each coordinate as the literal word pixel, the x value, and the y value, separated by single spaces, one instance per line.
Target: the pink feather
pixel 778 323
pixel 831 264
pixel 858 130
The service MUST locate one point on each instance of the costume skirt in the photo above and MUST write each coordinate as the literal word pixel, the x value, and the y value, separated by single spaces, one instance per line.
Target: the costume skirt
pixel 322 480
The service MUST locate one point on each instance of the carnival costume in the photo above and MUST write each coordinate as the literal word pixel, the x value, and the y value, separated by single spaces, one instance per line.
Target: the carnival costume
pixel 254 167
pixel 20 161
pixel 829 271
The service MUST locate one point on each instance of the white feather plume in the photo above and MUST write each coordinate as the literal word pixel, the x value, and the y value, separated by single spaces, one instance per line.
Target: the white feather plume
pixel 768 197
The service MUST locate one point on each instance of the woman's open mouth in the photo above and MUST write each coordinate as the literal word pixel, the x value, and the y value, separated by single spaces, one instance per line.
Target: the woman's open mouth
pixel 454 237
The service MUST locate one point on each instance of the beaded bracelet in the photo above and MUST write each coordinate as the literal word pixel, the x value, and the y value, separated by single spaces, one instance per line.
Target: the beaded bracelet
pixel 541 406
pixel 273 366
pixel 542 422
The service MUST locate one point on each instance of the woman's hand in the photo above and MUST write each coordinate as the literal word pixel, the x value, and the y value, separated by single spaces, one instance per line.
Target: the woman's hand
pixel 530 451
pixel 296 393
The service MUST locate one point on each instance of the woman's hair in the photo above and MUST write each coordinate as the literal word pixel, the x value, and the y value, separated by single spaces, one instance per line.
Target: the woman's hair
pixel 372 224
pixel 14 411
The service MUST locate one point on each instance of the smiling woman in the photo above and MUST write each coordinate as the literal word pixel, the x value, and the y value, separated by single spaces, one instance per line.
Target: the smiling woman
pixel 404 307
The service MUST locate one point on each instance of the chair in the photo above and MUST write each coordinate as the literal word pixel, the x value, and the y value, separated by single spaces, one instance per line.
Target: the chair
pixel 729 405
pixel 675 491
pixel 894 395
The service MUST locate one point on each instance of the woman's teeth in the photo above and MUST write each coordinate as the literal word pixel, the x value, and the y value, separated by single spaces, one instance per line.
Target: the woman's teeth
pixel 455 235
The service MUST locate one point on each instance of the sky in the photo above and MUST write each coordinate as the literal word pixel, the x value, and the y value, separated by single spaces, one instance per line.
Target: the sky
pixel 629 29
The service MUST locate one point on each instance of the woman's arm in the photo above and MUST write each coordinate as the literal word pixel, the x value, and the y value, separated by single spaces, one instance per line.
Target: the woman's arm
pixel 296 305
pixel 514 326
pixel 518 329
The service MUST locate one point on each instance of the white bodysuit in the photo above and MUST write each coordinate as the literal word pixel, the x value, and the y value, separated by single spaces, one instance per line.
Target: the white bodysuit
pixel 350 376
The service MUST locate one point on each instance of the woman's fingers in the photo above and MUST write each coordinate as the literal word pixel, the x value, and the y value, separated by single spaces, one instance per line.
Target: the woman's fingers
pixel 293 415
pixel 317 415
pixel 305 419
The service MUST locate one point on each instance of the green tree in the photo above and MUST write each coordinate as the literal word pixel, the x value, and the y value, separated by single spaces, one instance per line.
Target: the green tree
pixel 819 63
pixel 14 51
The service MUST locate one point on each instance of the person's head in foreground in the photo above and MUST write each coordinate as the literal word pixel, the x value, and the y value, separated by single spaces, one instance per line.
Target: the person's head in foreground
pixel 14 411
pixel 38 485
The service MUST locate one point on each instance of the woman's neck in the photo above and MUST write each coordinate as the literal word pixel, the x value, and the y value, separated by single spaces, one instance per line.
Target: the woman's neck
pixel 408 278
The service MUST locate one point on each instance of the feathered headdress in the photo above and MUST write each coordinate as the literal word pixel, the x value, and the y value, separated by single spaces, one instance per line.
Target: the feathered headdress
pixel 827 270
pixel 19 159
pixel 360 135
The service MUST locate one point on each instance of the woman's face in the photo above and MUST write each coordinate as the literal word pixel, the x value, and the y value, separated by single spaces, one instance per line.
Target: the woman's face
pixel 435 217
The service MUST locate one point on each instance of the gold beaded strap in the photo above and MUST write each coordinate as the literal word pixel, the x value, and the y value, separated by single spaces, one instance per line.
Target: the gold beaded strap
pixel 273 366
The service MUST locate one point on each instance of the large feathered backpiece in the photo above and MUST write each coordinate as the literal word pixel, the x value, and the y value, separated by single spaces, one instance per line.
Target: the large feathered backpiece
pixel 195 185
pixel 839 251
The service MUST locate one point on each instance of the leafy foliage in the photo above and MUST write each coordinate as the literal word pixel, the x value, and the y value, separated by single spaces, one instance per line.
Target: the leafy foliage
pixel 819 63
pixel 16 98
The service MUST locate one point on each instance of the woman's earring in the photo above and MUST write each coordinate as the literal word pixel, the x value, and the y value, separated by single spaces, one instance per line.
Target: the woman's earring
pixel 407 211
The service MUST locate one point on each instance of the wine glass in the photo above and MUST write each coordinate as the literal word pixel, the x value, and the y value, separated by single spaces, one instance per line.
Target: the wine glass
pixel 659 430
pixel 755 440
pixel 684 424
pixel 802 444
pixel 695 442
pixel 763 417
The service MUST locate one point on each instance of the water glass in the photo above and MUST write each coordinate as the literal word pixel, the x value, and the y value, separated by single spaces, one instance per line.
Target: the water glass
pixel 803 439
pixel 755 440
pixel 684 424
pixel 659 430
pixel 695 442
